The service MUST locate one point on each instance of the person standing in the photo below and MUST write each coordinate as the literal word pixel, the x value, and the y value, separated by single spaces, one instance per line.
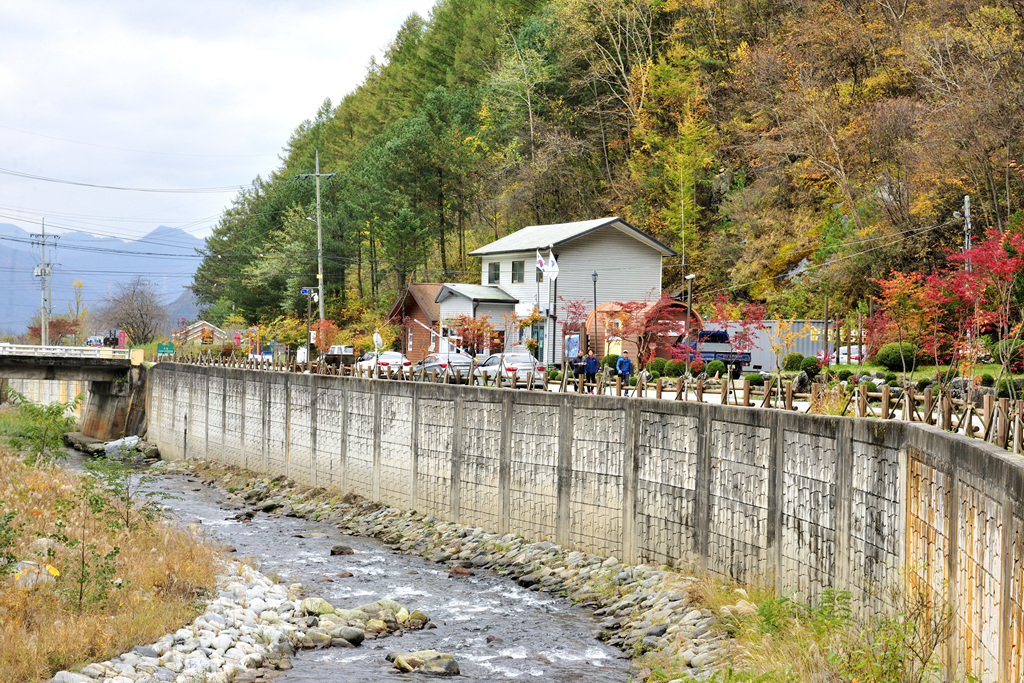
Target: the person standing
pixel 590 367
pixel 624 368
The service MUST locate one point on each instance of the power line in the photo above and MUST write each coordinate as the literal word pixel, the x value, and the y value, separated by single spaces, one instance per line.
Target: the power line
pixel 197 190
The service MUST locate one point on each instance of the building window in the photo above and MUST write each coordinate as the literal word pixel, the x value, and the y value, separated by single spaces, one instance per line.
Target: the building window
pixel 518 271
pixel 494 273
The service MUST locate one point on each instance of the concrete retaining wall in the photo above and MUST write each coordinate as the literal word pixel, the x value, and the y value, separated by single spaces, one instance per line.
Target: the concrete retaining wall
pixel 808 502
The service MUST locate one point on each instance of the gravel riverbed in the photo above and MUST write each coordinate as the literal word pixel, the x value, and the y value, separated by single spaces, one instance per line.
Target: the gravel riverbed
pixel 252 628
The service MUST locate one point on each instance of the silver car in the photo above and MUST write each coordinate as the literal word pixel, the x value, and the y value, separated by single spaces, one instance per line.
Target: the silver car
pixel 448 366
pixel 514 369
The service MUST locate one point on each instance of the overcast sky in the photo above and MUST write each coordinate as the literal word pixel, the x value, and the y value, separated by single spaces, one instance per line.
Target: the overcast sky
pixel 189 94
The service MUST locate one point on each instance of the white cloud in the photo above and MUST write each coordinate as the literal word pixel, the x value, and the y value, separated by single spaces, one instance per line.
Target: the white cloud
pixel 226 80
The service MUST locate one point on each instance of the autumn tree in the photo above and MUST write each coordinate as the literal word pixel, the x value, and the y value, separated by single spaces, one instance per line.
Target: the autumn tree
pixel 135 308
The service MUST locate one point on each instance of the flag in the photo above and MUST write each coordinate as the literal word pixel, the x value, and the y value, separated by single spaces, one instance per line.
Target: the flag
pixel 540 262
pixel 552 270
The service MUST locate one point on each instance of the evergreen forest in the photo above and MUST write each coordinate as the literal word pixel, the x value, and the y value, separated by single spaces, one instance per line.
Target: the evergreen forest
pixel 797 150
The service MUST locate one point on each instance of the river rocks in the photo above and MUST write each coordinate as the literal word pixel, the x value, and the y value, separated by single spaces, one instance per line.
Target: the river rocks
pixel 341 550
pixel 317 606
pixel 642 607
pixel 425 661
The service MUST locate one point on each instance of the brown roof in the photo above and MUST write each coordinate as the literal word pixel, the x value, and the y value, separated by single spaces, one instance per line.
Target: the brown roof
pixel 424 294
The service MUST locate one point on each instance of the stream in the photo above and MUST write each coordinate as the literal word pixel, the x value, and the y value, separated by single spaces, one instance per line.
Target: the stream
pixel 496 630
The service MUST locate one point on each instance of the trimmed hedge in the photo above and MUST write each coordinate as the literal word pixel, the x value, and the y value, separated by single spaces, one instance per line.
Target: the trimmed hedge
pixel 792 361
pixel 810 365
pixel 755 379
pixel 674 368
pixel 844 375
pixel 657 366
pixel 715 367
pixel 889 356
pixel 610 360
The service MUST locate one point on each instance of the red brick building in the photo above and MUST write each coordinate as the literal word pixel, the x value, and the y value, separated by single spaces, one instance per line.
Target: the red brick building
pixel 415 311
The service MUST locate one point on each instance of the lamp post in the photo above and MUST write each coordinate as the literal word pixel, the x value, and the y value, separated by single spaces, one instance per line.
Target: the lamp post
pixel 689 301
pixel 594 276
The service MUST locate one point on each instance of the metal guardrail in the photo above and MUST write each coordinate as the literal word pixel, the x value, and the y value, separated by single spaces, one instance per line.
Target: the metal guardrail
pixel 64 351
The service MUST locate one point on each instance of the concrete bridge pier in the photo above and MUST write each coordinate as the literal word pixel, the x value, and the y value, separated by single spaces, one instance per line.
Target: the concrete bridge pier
pixel 115 408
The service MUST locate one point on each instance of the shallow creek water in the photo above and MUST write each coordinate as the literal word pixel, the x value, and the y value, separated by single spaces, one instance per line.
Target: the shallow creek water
pixel 533 636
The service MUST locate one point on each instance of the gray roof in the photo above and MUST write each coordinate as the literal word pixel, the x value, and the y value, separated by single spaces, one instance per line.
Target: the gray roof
pixel 543 236
pixel 488 293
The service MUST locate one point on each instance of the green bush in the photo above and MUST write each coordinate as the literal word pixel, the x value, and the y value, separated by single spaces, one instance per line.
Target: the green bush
pixel 632 381
pixel 871 386
pixel 655 375
pixel 923 383
pixel 610 360
pixel 893 383
pixel 715 367
pixel 1009 350
pixel 810 365
pixel 675 368
pixel 987 380
pixel 1005 385
pixel 792 361
pixel 657 365
pixel 889 356
pixel 890 377
pixel 755 379
pixel 844 375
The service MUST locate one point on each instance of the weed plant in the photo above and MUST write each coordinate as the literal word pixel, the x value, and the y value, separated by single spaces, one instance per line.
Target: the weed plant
pixel 788 641
pixel 120 582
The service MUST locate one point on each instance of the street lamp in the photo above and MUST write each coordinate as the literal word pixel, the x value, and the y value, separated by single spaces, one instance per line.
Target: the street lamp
pixel 689 302
pixel 594 343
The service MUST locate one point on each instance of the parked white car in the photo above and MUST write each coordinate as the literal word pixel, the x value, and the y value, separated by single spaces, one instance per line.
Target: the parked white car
pixel 388 361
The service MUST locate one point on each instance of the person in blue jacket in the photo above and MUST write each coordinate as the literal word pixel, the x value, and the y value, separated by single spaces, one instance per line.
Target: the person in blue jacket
pixel 590 366
pixel 624 368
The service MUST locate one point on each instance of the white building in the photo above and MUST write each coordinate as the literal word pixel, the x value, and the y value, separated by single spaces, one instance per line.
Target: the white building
pixel 626 260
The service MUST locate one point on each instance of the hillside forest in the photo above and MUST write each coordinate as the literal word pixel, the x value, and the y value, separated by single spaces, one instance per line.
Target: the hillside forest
pixel 797 150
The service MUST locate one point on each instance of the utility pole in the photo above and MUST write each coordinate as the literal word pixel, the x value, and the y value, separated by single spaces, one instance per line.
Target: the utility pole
pixel 682 225
pixel 319 232
pixel 43 271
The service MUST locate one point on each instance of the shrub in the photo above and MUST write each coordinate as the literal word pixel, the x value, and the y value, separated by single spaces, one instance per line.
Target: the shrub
pixel 1010 351
pixel 610 360
pixel 844 375
pixel 657 366
pixel 890 377
pixel 674 368
pixel 715 367
pixel 632 381
pixel 987 380
pixel 655 375
pixel 755 379
pixel 1005 385
pixel 792 361
pixel 893 383
pixel 871 386
pixel 923 384
pixel 810 365
pixel 890 358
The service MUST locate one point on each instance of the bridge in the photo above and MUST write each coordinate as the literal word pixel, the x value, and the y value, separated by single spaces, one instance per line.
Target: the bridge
pixel 85 363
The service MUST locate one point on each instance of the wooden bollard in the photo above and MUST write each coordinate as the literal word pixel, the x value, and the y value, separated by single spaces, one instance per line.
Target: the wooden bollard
pixel 618 385
pixel 746 392
pixel 885 402
pixel 725 392
pixel 789 395
pixel 700 390
pixel 1003 431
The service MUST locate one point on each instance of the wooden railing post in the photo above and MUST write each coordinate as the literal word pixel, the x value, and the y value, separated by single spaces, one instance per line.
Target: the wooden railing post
pixel 700 390
pixel 618 385
pixel 789 395
pixel 1003 430
pixel 929 406
pixel 886 405
pixel 657 388
pixel 862 400
pixel 746 392
pixel 725 391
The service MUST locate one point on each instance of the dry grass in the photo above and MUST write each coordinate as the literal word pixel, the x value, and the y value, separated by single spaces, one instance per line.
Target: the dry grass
pixel 162 571
pixel 829 401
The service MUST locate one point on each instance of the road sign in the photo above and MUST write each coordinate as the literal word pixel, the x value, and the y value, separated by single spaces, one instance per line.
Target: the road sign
pixel 165 347
pixel 304 291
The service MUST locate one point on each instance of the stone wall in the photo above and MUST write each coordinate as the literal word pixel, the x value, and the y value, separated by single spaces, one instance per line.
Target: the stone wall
pixel 807 502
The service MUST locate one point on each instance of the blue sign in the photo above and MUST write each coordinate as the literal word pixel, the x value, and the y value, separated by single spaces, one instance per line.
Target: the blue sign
pixel 304 291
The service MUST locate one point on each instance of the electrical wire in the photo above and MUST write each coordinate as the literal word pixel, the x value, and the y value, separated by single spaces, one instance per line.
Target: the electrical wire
pixel 196 190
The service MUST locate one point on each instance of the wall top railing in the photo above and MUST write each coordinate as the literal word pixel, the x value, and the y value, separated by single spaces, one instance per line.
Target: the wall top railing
pixel 64 351
pixel 997 420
